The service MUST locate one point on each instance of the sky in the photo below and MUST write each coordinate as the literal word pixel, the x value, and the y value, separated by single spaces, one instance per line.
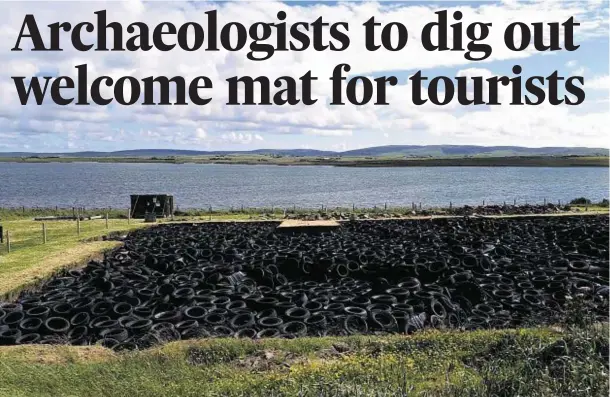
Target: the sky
pixel 217 126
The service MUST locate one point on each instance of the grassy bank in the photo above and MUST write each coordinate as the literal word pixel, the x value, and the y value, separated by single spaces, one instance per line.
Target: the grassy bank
pixel 30 260
pixel 344 161
pixel 532 362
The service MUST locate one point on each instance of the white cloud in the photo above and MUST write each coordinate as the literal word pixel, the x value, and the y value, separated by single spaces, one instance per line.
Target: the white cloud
pixel 340 147
pixel 599 83
pixel 241 138
pixel 580 71
pixel 200 134
pixel 321 132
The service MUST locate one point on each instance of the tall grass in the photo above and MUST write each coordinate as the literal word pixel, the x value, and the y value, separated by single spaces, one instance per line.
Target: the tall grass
pixel 528 362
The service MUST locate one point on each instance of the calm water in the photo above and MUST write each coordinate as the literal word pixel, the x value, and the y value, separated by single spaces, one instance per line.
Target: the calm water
pixel 197 186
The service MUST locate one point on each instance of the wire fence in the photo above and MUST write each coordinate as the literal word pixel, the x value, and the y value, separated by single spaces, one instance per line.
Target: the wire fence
pixel 24 234
pixel 384 206
pixel 22 227
pixel 123 213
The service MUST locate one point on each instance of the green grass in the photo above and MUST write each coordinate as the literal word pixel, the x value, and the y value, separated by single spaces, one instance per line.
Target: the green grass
pixel 30 260
pixel 505 363
pixel 27 233
pixel 19 213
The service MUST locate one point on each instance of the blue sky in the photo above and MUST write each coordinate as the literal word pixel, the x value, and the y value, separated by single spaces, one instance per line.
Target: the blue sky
pixel 219 127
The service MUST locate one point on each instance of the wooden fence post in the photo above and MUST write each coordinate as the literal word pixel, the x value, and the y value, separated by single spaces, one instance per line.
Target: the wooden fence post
pixel 8 242
pixel 78 226
pixel 129 216
pixel 44 233
pixel 106 221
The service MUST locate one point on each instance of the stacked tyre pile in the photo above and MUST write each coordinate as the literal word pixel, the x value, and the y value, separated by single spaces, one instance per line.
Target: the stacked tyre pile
pixel 524 209
pixel 245 280
pixel 491 210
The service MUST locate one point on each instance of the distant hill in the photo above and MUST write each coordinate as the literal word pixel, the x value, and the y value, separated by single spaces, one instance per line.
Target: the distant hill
pixel 464 150
pixel 378 151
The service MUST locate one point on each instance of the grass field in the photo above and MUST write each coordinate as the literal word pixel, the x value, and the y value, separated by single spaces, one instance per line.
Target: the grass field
pixel 345 161
pixel 529 362
pixel 30 259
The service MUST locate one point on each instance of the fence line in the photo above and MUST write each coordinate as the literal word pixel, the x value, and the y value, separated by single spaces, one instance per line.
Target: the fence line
pixel 50 231
pixel 115 212
pixel 19 235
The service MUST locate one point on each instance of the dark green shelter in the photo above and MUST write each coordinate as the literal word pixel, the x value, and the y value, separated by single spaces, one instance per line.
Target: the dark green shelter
pixel 161 205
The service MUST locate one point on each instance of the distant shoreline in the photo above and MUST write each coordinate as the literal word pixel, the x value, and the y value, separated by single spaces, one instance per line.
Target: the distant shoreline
pixel 509 161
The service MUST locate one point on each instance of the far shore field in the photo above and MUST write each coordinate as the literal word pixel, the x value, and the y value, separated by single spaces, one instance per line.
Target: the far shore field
pixel 475 161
